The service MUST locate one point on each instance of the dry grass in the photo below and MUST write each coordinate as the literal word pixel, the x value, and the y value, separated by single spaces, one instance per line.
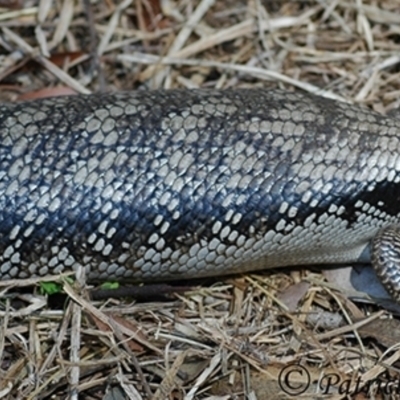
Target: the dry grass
pixel 230 338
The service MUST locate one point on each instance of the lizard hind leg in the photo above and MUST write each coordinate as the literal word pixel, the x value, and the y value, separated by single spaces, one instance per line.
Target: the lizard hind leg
pixel 385 259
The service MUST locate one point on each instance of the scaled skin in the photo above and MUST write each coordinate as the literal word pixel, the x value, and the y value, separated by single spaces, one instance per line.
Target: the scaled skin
pixel 179 184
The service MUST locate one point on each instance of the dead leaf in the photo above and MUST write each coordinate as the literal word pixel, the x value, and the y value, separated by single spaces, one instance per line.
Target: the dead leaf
pixel 47 92
pixel 292 295
pixel 11 4
pixel 385 331
pixel 150 16
pixel 59 59
pixel 133 345
pixel 320 318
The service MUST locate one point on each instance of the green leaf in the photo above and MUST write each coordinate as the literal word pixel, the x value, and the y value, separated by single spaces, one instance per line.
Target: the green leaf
pixel 69 280
pixel 110 285
pixel 50 288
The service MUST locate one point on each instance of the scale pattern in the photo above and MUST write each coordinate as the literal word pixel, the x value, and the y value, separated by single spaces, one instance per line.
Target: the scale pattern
pixel 154 185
